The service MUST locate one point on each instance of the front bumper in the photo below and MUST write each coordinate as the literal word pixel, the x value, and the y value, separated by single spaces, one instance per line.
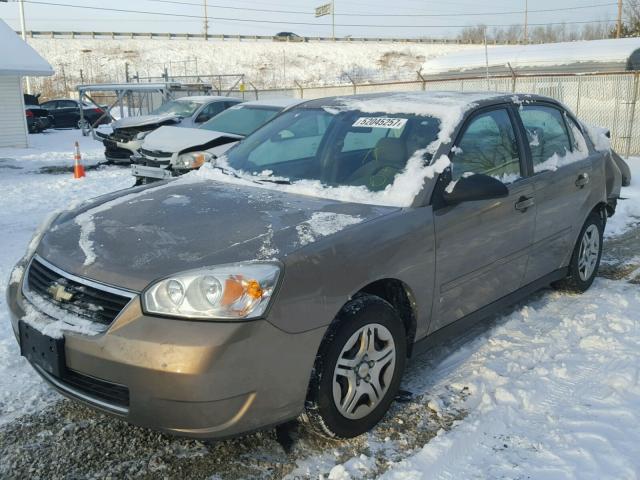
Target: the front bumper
pixel 116 151
pixel 196 379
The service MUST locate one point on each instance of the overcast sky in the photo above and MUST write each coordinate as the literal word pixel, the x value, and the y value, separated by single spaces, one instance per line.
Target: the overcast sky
pixel 348 12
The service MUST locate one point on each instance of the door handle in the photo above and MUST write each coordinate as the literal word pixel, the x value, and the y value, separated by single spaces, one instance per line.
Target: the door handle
pixel 525 203
pixel 583 180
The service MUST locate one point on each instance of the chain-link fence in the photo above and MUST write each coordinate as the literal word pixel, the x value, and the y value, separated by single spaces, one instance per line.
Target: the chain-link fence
pixel 605 99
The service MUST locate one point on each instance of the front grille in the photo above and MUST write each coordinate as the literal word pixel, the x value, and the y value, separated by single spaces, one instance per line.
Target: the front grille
pixel 112 393
pixel 89 300
pixel 155 154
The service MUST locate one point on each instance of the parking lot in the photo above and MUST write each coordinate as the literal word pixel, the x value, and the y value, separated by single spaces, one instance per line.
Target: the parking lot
pixel 534 392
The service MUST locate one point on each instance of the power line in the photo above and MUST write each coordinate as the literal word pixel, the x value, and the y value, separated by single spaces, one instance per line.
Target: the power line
pixel 278 22
pixel 411 15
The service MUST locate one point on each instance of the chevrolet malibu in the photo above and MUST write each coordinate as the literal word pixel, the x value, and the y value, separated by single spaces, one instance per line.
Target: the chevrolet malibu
pixel 295 276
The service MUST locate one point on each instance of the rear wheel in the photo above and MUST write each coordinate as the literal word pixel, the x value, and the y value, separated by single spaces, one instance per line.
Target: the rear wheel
pixel 358 369
pixel 585 259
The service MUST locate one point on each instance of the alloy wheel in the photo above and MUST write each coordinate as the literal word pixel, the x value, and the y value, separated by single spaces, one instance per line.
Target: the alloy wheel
pixel 589 252
pixel 364 371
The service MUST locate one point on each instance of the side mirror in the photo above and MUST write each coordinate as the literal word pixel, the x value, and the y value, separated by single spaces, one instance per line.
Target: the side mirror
pixel 475 187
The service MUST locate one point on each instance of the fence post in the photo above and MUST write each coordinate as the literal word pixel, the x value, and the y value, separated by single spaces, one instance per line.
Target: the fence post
pixel 633 113
pixel 299 88
pixel 422 79
pixel 513 78
pixel 578 95
pixel 254 88
pixel 352 83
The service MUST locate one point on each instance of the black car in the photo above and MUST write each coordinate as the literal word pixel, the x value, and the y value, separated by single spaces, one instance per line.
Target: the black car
pixel 38 118
pixel 287 37
pixel 66 113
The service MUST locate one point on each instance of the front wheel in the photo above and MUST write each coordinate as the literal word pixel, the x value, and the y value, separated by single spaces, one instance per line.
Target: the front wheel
pixel 585 259
pixel 358 369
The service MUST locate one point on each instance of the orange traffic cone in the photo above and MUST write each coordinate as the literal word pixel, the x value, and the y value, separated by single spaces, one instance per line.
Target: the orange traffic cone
pixel 78 168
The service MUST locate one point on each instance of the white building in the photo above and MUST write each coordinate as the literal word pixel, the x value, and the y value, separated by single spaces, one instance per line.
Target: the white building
pixel 17 60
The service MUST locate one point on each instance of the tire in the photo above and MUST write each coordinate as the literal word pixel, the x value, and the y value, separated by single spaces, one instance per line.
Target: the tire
pixel 585 259
pixel 330 410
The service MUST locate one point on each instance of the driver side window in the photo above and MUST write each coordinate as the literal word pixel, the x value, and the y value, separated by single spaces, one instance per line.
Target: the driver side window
pixel 488 146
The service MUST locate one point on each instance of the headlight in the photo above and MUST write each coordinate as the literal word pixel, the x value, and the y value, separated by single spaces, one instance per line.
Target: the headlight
pixel 193 159
pixel 234 291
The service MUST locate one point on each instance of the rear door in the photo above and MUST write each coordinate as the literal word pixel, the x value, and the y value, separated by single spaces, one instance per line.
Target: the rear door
pixel 68 113
pixel 562 170
pixel 482 247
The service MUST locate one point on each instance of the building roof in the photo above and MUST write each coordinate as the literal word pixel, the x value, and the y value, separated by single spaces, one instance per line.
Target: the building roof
pixel 18 58
pixel 569 57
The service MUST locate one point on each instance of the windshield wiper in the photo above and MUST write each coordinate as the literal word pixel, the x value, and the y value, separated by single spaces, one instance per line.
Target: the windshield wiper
pixel 226 171
pixel 278 181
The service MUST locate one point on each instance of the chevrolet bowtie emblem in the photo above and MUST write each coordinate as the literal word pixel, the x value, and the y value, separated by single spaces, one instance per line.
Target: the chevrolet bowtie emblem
pixel 59 293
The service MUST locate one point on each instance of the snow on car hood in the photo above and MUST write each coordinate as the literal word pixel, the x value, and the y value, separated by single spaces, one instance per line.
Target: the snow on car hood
pixel 175 139
pixel 132 238
pixel 143 120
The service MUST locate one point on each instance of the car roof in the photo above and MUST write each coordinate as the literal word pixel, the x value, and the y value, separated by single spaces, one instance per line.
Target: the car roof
pixel 274 102
pixel 409 102
pixel 203 98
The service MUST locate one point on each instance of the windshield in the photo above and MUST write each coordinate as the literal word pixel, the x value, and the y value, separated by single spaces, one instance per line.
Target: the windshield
pixel 241 120
pixel 182 108
pixel 348 148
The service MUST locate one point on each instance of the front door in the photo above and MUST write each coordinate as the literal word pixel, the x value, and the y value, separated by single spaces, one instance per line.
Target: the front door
pixel 482 247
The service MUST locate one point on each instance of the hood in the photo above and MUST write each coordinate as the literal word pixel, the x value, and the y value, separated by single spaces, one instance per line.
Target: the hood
pixel 136 236
pixel 175 139
pixel 145 120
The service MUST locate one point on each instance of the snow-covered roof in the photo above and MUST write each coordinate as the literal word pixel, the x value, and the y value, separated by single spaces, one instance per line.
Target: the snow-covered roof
pixel 18 58
pixel 570 57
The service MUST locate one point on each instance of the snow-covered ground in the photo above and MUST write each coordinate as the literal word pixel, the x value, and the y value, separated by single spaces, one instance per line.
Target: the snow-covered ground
pixel 27 198
pixel 549 390
pixel 266 64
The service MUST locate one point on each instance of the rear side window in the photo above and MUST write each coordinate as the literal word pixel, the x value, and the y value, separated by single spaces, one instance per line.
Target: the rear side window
pixel 547 134
pixel 488 146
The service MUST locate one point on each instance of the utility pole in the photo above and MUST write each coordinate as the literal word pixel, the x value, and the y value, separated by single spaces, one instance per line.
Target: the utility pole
pixel 206 22
pixel 333 19
pixel 526 21
pixel 619 27
pixel 23 31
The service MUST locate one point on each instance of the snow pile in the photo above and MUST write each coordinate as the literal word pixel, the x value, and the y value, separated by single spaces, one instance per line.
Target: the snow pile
pixel 628 209
pixel 265 63
pixel 322 224
pixel 554 393
pixel 537 56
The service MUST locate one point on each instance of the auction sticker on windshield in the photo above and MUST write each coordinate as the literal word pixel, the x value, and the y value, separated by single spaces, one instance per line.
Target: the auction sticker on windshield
pixel 380 122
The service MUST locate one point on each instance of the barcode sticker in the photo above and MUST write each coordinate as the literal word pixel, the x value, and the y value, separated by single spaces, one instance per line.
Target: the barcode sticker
pixel 380 122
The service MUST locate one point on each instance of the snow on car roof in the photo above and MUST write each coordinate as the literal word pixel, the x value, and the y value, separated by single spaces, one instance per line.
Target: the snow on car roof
pixel 582 55
pixel 448 107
